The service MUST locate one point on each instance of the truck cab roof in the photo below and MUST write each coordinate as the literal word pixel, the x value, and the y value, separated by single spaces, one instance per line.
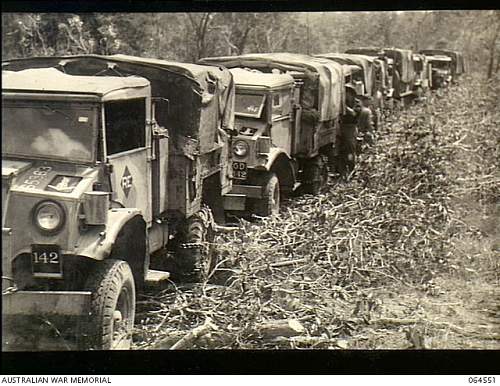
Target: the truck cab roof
pixel 257 80
pixel 51 80
pixel 438 58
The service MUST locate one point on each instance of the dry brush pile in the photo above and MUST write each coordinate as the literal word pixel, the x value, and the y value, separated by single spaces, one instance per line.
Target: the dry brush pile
pixel 306 277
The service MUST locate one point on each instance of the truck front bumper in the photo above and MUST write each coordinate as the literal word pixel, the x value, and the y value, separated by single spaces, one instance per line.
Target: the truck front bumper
pixel 44 320
pixel 236 198
pixel 46 303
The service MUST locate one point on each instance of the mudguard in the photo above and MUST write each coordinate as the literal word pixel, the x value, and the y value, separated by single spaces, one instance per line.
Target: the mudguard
pixel 273 154
pixel 97 243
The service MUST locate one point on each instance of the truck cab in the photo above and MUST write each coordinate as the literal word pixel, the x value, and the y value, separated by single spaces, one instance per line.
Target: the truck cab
pixel 441 70
pixel 67 141
pixel 110 168
pixel 458 64
pixel 261 163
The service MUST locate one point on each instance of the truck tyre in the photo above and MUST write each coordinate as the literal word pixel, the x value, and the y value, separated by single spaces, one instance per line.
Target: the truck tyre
pixel 112 306
pixel 317 175
pixel 269 204
pixel 196 258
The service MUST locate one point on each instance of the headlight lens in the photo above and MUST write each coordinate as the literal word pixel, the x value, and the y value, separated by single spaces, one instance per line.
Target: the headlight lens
pixel 49 216
pixel 240 148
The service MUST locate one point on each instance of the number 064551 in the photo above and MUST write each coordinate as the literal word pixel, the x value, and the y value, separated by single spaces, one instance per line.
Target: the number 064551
pixel 482 380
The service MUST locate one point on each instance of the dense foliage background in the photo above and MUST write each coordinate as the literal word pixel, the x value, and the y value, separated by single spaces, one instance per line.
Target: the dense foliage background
pixel 190 36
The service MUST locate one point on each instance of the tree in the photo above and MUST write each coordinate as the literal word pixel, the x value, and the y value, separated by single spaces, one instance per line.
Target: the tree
pixel 199 25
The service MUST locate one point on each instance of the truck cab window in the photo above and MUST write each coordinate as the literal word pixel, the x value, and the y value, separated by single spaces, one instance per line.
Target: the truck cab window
pixel 281 105
pixel 125 125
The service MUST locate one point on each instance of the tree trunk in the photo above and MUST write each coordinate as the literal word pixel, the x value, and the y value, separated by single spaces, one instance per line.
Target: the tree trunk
pixel 492 50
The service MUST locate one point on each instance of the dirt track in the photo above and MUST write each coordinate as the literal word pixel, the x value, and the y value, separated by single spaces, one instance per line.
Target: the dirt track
pixel 404 255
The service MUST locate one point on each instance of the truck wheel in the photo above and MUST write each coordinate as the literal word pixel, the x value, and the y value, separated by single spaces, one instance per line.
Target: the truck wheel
pixel 317 174
pixel 112 306
pixel 269 204
pixel 196 256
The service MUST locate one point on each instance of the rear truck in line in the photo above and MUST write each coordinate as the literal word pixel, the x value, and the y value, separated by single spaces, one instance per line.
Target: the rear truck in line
pixel 458 64
pixel 113 168
pixel 288 109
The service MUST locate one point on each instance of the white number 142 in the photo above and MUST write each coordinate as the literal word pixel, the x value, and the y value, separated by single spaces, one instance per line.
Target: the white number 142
pixel 52 257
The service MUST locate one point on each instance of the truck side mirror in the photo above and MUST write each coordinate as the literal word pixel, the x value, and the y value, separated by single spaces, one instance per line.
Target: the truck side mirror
pixel 159 132
pixel 161 110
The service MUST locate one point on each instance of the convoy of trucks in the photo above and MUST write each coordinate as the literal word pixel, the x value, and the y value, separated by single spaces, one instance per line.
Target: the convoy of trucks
pixel 117 170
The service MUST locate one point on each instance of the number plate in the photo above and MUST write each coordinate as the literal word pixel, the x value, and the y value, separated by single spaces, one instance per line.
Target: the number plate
pixel 46 261
pixel 239 170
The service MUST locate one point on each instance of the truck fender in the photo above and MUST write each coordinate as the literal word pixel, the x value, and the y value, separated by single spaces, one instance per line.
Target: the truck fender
pixel 97 242
pixel 281 163
pixel 273 154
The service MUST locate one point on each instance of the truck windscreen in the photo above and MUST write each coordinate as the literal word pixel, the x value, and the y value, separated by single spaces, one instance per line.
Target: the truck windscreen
pixel 46 129
pixel 249 105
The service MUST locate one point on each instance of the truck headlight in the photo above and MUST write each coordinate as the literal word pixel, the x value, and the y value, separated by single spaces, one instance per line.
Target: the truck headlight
pixel 49 216
pixel 240 148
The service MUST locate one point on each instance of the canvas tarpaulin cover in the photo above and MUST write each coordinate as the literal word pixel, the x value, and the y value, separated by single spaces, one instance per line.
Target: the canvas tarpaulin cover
pixel 362 62
pixel 403 60
pixel 323 79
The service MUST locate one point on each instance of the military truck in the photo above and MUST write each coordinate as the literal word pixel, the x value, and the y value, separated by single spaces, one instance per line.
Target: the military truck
pixel 371 84
pixel 287 114
pixel 403 74
pixel 261 159
pixel 458 65
pixel 383 66
pixel 423 75
pixel 108 163
pixel 441 71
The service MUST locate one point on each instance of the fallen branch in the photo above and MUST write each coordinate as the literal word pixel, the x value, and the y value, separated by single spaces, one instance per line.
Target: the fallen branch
pixel 194 334
pixel 280 328
pixel 281 264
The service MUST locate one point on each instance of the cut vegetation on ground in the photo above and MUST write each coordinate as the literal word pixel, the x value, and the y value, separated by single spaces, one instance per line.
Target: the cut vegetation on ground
pixel 403 255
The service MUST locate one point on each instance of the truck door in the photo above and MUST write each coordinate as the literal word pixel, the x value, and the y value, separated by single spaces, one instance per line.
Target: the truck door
pixel 281 130
pixel 127 151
